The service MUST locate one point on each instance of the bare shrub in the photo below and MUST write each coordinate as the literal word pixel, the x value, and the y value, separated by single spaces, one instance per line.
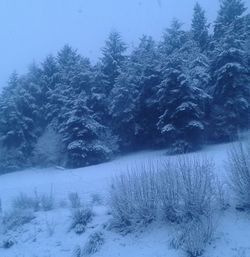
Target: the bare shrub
pixel 37 202
pixel 77 252
pixel 7 243
pixel 80 218
pixel 47 202
pixel 93 245
pixel 198 186
pixel 133 197
pixel 48 149
pixel 182 190
pixel 50 227
pixel 96 199
pixel 16 218
pixel 75 201
pixel 23 201
pixel 187 188
pixel 239 173
pixel 169 188
pixel 194 235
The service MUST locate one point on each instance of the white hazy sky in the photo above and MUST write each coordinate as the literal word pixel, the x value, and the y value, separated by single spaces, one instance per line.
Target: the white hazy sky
pixel 31 29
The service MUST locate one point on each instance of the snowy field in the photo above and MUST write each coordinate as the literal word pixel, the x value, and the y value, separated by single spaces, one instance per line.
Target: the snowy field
pixel 48 234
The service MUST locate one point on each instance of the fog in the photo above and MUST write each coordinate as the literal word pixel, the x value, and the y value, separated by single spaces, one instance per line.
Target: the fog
pixel 31 29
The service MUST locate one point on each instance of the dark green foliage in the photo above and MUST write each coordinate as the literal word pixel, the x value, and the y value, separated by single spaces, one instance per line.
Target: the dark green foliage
pixel 230 74
pixel 200 27
pixel 187 89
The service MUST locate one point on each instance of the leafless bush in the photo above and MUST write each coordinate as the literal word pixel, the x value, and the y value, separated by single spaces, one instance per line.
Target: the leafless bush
pixel 50 227
pixel 80 218
pixel 133 197
pixel 198 186
pixel 47 202
pixel 197 234
pixel 77 252
pixel 37 202
pixel 96 199
pixel 16 218
pixel 184 192
pixel 188 188
pixel 169 188
pixel 7 243
pixel 239 173
pixel 93 245
pixel 23 201
pixel 75 201
pixel 194 235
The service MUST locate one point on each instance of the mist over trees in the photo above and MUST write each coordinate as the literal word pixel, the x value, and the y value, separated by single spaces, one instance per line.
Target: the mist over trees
pixel 191 88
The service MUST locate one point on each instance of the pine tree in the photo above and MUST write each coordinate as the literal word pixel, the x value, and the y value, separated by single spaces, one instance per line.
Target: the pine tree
pixel 83 136
pixel 133 109
pixel 112 59
pixel 123 106
pixel 181 121
pixel 17 130
pixel 145 59
pixel 229 72
pixel 182 97
pixel 231 92
pixel 200 27
pixel 73 77
pixel 99 100
pixel 173 39
pixel 230 15
pixel 49 81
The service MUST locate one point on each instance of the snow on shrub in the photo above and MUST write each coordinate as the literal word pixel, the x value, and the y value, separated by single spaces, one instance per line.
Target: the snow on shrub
pixel 93 245
pixel 133 197
pixel 7 243
pixel 168 184
pixel 198 186
pixel 80 218
pixel 37 202
pixel 15 218
pixel 48 149
pixel 180 191
pixel 75 201
pixel 239 173
pixel 187 188
pixel 194 235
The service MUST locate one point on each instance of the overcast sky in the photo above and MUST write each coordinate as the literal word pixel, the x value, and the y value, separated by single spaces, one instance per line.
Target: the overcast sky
pixel 31 29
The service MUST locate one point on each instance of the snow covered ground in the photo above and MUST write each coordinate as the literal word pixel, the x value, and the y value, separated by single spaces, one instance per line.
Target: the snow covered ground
pixel 48 234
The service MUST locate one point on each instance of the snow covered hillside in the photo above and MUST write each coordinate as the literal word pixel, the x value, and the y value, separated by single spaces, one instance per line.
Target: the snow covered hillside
pixel 48 233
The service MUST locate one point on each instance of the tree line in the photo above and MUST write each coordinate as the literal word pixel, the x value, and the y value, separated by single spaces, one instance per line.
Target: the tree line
pixel 190 88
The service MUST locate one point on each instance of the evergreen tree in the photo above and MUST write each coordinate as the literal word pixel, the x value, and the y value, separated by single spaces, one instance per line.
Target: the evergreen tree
pixel 200 27
pixel 49 80
pixel 230 15
pixel 112 59
pixel 17 130
pixel 99 100
pixel 231 91
pixel 73 77
pixel 123 107
pixel 83 136
pixel 145 59
pixel 173 38
pixel 181 105
pixel 182 97
pixel 229 72
pixel 133 109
